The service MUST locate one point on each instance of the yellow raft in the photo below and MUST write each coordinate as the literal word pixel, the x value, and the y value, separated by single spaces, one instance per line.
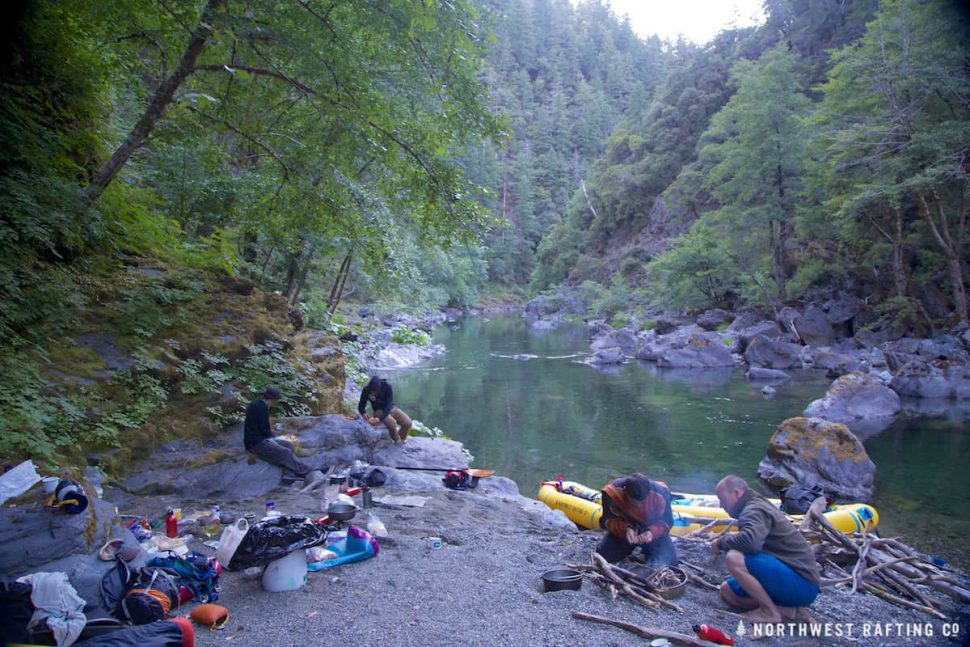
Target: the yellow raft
pixel 691 511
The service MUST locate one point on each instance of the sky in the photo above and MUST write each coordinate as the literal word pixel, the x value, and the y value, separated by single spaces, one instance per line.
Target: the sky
pixel 698 20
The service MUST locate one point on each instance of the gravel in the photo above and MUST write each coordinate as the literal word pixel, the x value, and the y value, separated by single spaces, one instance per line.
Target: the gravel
pixel 483 587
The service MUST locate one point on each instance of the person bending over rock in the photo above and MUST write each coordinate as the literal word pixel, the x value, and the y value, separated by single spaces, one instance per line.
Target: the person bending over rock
pixel 381 397
pixel 773 569
pixel 637 514
pixel 259 441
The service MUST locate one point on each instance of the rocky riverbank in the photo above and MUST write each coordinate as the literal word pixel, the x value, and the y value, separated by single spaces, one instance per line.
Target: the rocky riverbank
pixel 483 586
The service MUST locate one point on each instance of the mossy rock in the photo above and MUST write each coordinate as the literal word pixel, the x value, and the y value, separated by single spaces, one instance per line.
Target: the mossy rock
pixel 811 451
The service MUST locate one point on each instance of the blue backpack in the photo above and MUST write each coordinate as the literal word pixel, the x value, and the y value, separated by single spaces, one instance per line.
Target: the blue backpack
pixel 195 572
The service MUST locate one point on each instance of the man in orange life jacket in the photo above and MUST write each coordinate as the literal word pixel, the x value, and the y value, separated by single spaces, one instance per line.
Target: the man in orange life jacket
pixel 636 513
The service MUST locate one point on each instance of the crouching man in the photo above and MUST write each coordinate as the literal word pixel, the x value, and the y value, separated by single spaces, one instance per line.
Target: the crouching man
pixel 773 569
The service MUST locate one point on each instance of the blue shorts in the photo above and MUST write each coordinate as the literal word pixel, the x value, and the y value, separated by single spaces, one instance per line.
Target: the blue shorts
pixel 784 586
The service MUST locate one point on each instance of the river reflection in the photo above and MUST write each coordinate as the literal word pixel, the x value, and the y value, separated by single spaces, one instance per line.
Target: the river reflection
pixel 524 403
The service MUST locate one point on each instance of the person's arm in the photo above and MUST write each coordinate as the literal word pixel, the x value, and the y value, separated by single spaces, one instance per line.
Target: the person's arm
pixel 659 522
pixel 753 528
pixel 262 421
pixel 362 404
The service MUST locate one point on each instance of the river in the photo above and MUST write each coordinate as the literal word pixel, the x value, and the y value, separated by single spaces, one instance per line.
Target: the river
pixel 526 406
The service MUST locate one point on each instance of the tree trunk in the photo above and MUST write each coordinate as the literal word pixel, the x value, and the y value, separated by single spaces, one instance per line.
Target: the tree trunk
pixel 156 109
pixel 900 280
pixel 338 284
pixel 941 233
pixel 777 260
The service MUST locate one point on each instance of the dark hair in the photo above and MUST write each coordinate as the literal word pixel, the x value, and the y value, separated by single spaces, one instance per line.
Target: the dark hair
pixel 272 394
pixel 374 385
pixel 637 486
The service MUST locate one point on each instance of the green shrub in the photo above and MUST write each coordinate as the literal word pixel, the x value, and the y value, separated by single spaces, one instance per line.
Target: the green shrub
pixel 407 336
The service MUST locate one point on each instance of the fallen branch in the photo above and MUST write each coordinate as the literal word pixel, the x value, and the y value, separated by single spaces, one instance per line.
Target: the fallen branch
pixel 645 632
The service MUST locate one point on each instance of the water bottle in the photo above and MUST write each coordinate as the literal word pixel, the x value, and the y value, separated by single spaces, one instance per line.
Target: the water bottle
pixel 171 524
pixel 214 525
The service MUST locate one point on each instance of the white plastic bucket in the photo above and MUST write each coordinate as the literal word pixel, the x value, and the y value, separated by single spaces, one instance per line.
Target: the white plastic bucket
pixel 50 483
pixel 286 573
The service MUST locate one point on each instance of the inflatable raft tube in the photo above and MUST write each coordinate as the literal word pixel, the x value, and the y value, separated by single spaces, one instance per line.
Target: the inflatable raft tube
pixel 691 512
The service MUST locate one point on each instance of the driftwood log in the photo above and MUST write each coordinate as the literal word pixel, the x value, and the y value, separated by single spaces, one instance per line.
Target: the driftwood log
pixel 645 632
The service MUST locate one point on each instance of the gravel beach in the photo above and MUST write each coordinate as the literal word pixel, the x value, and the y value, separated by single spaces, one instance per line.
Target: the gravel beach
pixel 483 586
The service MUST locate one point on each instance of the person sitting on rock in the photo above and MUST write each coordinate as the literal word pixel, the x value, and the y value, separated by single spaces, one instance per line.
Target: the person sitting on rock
pixel 637 513
pixel 381 397
pixel 259 441
pixel 772 566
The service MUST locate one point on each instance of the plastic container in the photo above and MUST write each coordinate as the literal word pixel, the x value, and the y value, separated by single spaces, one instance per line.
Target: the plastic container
pixel 50 483
pixel 230 539
pixel 287 573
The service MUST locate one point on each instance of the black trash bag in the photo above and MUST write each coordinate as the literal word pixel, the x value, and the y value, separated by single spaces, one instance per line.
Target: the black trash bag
pixel 796 499
pixel 271 539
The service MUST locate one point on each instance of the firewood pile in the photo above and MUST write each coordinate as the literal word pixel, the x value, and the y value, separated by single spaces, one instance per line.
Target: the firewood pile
pixel 885 567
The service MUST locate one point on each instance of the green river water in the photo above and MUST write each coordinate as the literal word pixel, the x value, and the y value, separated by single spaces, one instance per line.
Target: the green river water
pixel 545 413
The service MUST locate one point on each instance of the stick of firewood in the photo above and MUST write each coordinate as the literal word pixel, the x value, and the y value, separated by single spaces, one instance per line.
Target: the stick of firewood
pixel 915 573
pixel 701 531
pixel 608 586
pixel 895 599
pixel 645 632
pixel 621 585
pixel 700 580
pixel 860 566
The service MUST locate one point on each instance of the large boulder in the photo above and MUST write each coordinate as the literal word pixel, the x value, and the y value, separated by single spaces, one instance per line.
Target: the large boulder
pixel 918 379
pixel 838 363
pixel 756 373
pixel 219 467
pixel 607 356
pixel 766 328
pixel 842 309
pixel 714 319
pixel 858 400
pixel 772 353
pixel 623 339
pixel 700 352
pixel 814 328
pixel 813 451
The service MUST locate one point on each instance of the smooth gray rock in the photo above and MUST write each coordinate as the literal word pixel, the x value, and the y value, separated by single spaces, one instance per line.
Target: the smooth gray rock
pixel 860 401
pixel 768 391
pixel 767 329
pixel 714 319
pixel 701 352
pixel 842 308
pixel 32 536
pixel 918 379
pixel 841 363
pixel 813 451
pixel 772 353
pixel 814 327
pixel 607 356
pixel 184 468
pixel 767 374
pixel 623 339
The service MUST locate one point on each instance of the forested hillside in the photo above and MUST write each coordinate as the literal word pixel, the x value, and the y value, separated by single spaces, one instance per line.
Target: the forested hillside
pixel 416 155
pixel 824 151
